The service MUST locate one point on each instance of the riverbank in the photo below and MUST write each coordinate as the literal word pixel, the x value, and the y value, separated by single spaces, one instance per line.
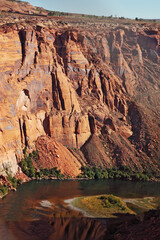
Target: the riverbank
pixel 55 174
pixel 99 206
pixel 108 206
pixel 120 173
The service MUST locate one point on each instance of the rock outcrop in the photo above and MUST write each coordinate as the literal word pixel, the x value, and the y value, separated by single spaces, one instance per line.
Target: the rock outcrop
pixel 14 6
pixel 54 154
pixel 80 88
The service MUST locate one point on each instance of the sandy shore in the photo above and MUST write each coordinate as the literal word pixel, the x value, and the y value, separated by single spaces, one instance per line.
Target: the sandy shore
pixel 70 204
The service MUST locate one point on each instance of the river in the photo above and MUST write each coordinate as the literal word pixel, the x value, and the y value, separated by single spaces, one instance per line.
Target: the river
pixel 37 209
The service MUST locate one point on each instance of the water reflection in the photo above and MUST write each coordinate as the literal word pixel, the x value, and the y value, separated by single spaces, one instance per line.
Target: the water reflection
pixel 58 229
pixel 24 217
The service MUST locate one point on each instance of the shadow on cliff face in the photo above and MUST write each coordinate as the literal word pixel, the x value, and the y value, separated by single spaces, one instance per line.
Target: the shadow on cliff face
pixel 46 125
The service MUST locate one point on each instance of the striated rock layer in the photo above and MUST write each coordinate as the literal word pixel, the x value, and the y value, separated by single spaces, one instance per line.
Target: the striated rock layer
pixel 97 91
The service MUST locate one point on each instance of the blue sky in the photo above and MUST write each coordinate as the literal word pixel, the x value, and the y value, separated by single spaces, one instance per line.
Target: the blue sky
pixel 121 8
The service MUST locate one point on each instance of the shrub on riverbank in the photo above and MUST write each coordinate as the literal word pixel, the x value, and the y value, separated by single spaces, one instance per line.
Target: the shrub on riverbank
pixel 111 200
pixel 53 172
pixel 8 183
pixel 28 168
pixel 13 181
pixel 122 172
pixel 3 190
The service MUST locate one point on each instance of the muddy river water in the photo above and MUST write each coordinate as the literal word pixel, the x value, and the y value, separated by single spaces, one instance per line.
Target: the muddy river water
pixel 37 210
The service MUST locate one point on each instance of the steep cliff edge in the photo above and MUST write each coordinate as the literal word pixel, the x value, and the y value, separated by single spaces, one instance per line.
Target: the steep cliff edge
pixel 94 90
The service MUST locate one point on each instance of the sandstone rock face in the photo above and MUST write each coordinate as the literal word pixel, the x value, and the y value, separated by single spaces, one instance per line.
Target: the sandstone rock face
pixel 75 86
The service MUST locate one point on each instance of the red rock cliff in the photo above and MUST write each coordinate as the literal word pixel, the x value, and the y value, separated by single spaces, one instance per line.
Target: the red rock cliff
pixel 76 86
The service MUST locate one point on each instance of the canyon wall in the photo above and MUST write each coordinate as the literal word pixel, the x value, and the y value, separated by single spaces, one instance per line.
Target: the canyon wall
pixel 96 91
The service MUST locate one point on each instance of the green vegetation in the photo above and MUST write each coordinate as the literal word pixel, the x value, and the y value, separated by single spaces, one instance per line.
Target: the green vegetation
pixel 122 172
pixel 57 14
pixel 102 206
pixel 27 167
pixel 54 172
pixel 109 201
pixel 3 190
pixel 84 16
pixel 146 20
pixel 13 181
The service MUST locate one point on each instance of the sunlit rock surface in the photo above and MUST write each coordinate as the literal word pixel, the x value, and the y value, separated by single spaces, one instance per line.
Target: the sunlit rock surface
pixel 78 84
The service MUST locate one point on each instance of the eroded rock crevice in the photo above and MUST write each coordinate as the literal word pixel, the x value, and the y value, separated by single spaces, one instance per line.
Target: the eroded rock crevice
pixel 22 37
pixel 58 100
pixel 23 132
